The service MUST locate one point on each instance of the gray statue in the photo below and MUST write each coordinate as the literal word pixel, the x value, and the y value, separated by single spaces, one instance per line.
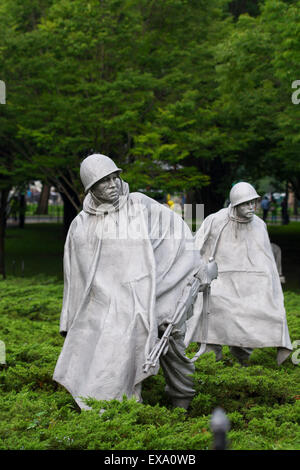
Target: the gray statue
pixel 127 260
pixel 246 306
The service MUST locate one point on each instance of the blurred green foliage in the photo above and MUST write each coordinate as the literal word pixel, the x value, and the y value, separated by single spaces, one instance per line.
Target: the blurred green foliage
pixel 182 94
pixel 262 401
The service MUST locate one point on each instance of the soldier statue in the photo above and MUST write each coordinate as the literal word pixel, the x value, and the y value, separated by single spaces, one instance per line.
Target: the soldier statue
pixel 246 305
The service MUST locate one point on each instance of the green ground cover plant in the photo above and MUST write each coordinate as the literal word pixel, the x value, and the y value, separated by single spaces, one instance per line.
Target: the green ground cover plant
pixel 262 401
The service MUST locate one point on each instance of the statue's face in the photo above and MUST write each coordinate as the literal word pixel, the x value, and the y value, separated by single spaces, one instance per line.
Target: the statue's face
pixel 108 188
pixel 246 209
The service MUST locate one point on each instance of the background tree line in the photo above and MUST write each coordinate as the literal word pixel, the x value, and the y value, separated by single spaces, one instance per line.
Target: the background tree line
pixel 185 95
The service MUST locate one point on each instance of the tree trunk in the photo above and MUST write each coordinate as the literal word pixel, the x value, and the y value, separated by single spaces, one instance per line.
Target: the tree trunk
pixel 295 208
pixel 200 203
pixel 3 210
pixel 22 210
pixel 210 198
pixel 70 211
pixel 42 207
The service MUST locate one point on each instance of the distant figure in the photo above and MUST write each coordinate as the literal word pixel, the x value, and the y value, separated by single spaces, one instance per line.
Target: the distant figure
pixel 273 209
pixel 14 208
pixel 265 205
pixel 284 212
pixel 277 255
pixel 175 206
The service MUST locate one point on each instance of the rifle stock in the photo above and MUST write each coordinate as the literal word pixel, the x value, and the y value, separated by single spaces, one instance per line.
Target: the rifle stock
pixel 183 307
pixel 184 304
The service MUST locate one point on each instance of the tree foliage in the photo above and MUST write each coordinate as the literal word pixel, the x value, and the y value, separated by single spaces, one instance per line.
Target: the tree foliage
pixel 130 79
pixel 256 67
pixel 184 95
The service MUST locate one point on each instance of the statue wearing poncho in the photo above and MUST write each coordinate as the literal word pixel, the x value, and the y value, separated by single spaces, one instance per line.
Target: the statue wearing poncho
pixel 246 302
pixel 127 259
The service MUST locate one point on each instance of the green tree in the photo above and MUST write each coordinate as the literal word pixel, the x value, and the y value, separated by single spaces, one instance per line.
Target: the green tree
pixel 256 67
pixel 180 143
pixel 132 79
pixel 16 20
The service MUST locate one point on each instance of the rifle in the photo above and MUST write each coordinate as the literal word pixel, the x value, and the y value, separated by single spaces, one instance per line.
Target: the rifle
pixel 183 307
pixel 205 313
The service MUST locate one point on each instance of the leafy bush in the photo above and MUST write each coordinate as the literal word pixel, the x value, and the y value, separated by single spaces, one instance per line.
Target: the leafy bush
pixel 261 401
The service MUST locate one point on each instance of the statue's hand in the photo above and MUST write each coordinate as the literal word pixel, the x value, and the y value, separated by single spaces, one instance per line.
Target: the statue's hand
pixel 203 287
pixel 162 328
pixel 212 269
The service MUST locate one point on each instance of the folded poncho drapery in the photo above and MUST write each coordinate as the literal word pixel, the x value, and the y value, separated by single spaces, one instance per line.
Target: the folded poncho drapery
pixel 246 302
pixel 124 271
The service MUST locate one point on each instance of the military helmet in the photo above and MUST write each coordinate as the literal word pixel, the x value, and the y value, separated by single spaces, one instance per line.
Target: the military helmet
pixel 242 192
pixel 95 167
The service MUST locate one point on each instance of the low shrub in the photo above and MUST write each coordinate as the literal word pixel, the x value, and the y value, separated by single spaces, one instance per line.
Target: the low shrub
pixel 261 401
